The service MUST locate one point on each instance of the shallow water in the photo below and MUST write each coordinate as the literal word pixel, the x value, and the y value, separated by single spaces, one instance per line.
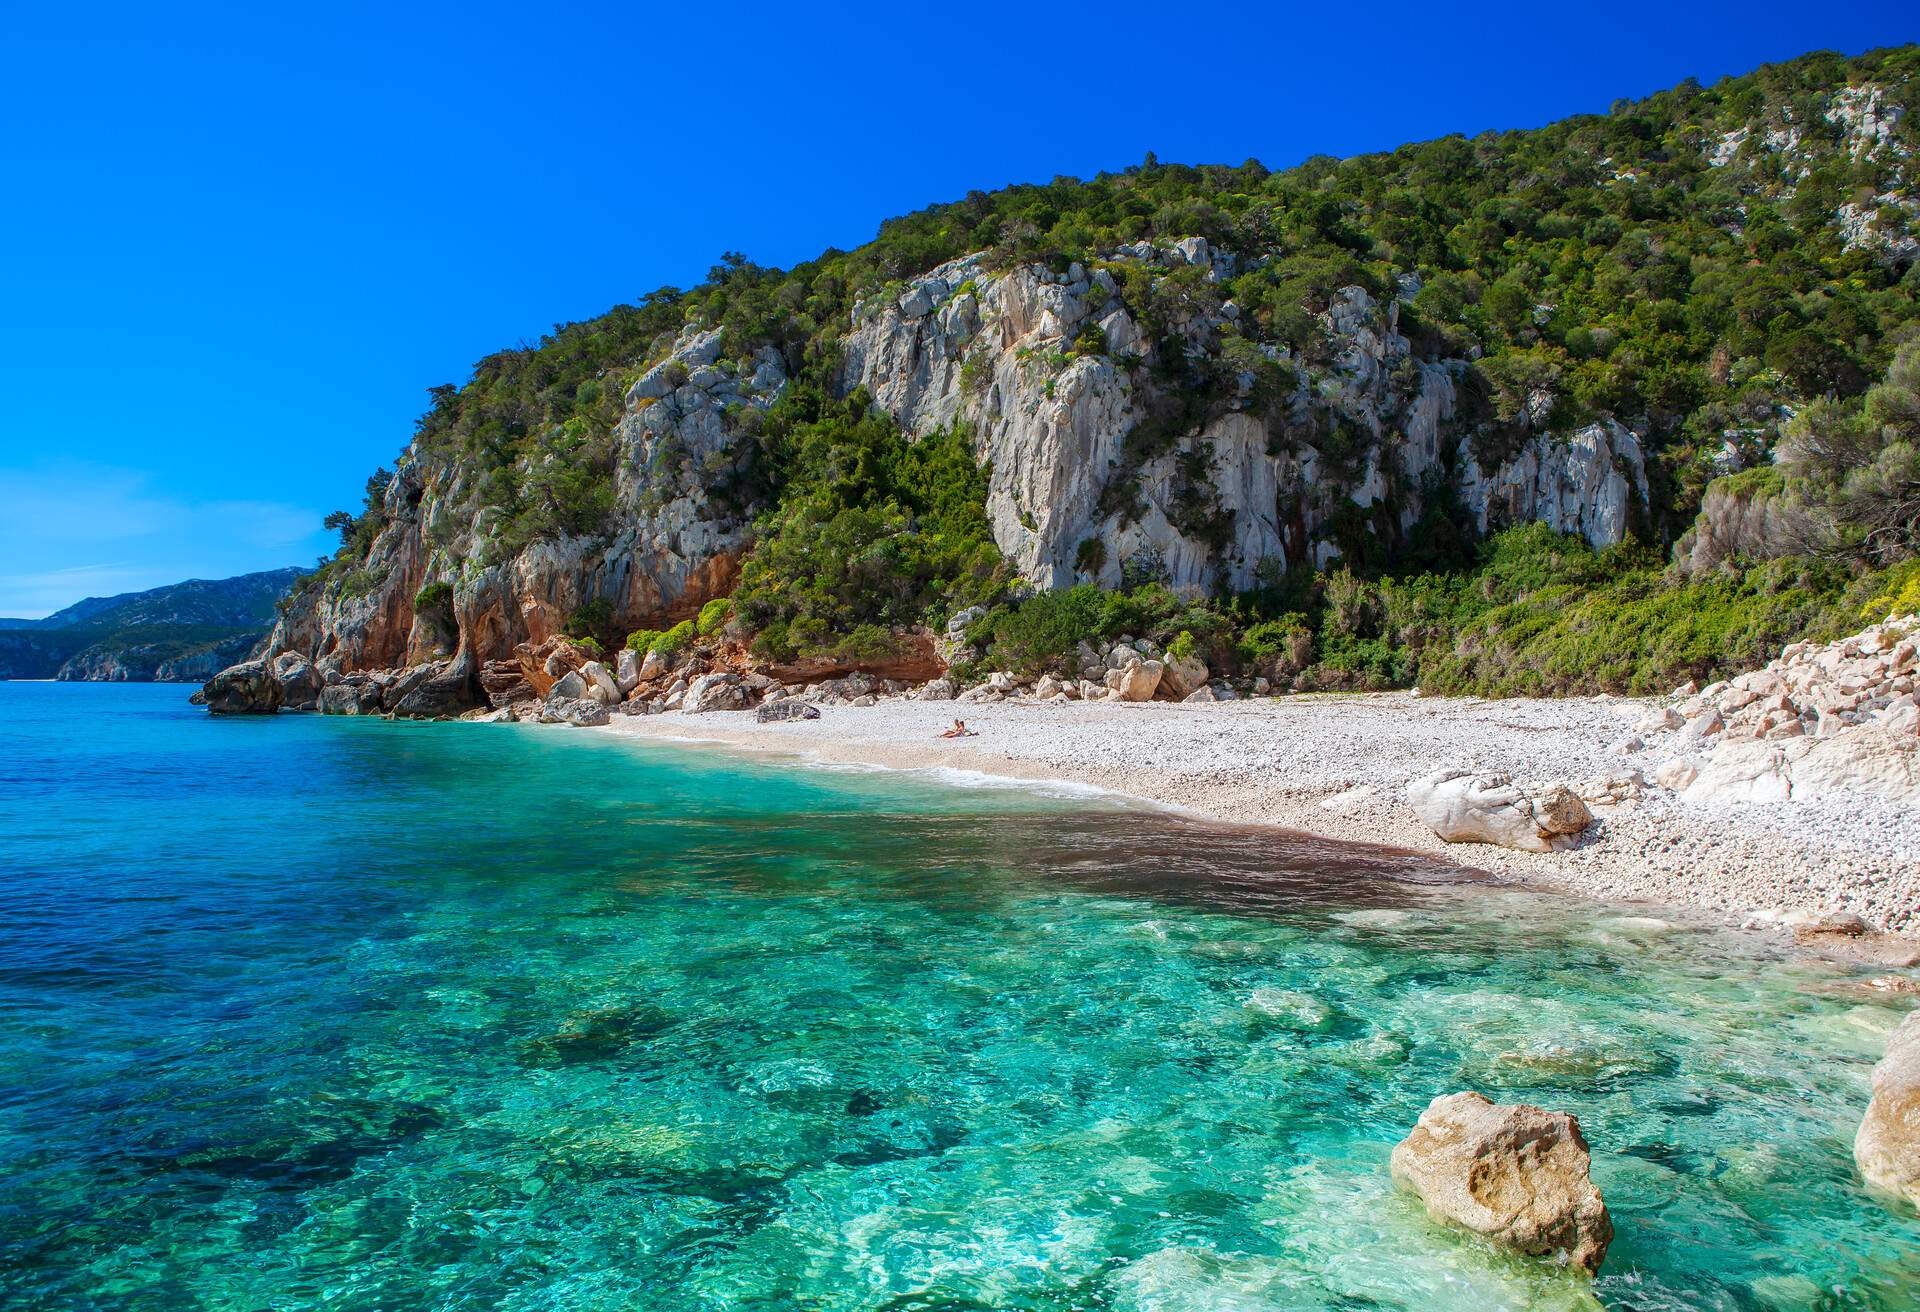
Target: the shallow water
pixel 303 1012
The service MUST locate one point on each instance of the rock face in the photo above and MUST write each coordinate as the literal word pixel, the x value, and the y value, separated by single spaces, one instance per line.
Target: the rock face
pixel 668 548
pixel 1887 1148
pixel 993 349
pixel 1517 1174
pixel 1463 807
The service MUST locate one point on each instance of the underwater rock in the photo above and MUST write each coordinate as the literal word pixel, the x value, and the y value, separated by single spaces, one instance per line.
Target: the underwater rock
pixel 1887 1149
pixel 1517 1174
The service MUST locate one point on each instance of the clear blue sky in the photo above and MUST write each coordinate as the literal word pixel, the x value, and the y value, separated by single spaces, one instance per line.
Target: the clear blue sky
pixel 241 243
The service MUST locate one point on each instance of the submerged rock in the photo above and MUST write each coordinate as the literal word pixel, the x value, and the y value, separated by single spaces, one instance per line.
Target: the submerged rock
pixel 1887 1148
pixel 1517 1174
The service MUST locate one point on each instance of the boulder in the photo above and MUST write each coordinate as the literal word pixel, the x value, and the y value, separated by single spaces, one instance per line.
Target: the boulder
pixel 296 677
pixel 1046 686
pixel 1351 801
pixel 601 685
pixel 627 670
pixel 441 689
pixel 1677 772
pixel 939 690
pixel 1204 693
pixel 653 666
pixel 1748 771
pixel 1091 690
pixel 786 709
pixel 1140 680
pixel 569 687
pixel 1183 675
pixel 1464 807
pixel 1887 1148
pixel 962 620
pixel 248 688
pixel 719 691
pixel 1516 1174
pixel 578 711
pixel 504 684
pixel 354 695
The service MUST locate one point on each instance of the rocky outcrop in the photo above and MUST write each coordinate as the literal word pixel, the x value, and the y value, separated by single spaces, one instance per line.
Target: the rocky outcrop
pixel 1008 353
pixel 1462 806
pixel 1741 516
pixel 1887 1148
pixel 244 689
pixel 1821 720
pixel 669 546
pixel 1515 1174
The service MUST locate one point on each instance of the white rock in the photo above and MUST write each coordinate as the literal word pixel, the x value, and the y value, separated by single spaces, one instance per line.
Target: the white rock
pixel 1352 801
pixel 1463 807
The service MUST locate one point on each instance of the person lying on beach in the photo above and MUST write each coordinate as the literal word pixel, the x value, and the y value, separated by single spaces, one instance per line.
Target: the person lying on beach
pixel 959 730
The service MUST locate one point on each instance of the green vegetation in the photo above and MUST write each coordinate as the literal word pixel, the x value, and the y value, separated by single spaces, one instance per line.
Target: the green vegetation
pixel 714 616
pixel 433 598
pixel 871 530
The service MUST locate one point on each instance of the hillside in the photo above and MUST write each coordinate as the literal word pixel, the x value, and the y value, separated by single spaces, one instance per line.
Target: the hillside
pixel 1437 415
pixel 182 632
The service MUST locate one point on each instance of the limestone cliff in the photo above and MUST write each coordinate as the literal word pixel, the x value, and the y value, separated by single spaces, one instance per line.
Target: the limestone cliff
pixel 994 351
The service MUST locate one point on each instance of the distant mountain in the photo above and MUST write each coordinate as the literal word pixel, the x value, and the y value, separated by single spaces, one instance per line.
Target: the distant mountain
pixel 245 600
pixel 178 633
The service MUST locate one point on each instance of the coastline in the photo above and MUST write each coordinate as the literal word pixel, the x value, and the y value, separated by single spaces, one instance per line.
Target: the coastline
pixel 1273 762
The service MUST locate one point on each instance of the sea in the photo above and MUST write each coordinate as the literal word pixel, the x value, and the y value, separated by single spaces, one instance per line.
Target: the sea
pixel 302 1012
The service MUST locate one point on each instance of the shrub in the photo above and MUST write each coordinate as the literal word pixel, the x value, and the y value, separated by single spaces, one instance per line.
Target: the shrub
pixel 590 618
pixel 433 597
pixel 675 640
pixel 1039 633
pixel 642 640
pixel 713 615
pixel 1279 648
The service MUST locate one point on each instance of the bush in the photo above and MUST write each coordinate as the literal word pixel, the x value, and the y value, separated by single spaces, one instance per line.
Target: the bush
pixel 1041 632
pixel 643 640
pixel 590 619
pixel 713 615
pixel 1277 649
pixel 675 640
pixel 433 597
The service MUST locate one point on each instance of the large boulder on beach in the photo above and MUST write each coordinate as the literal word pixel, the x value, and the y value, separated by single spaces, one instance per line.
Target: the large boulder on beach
pixel 437 690
pixel 1887 1148
pixel 1517 1174
pixel 1462 806
pixel 248 688
pixel 627 670
pixel 601 685
pixel 1182 676
pixel 1139 680
pixel 581 712
pixel 719 691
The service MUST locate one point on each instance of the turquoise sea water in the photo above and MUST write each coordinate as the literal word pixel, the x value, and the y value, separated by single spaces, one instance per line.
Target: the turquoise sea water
pixel 304 1012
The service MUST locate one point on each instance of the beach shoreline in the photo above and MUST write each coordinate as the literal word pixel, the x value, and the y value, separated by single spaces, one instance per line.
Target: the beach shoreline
pixel 1273 762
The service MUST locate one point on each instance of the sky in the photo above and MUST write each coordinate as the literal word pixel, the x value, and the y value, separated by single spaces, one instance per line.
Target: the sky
pixel 240 243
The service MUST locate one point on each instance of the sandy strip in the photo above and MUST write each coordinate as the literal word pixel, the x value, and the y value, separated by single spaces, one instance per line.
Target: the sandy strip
pixel 1273 761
